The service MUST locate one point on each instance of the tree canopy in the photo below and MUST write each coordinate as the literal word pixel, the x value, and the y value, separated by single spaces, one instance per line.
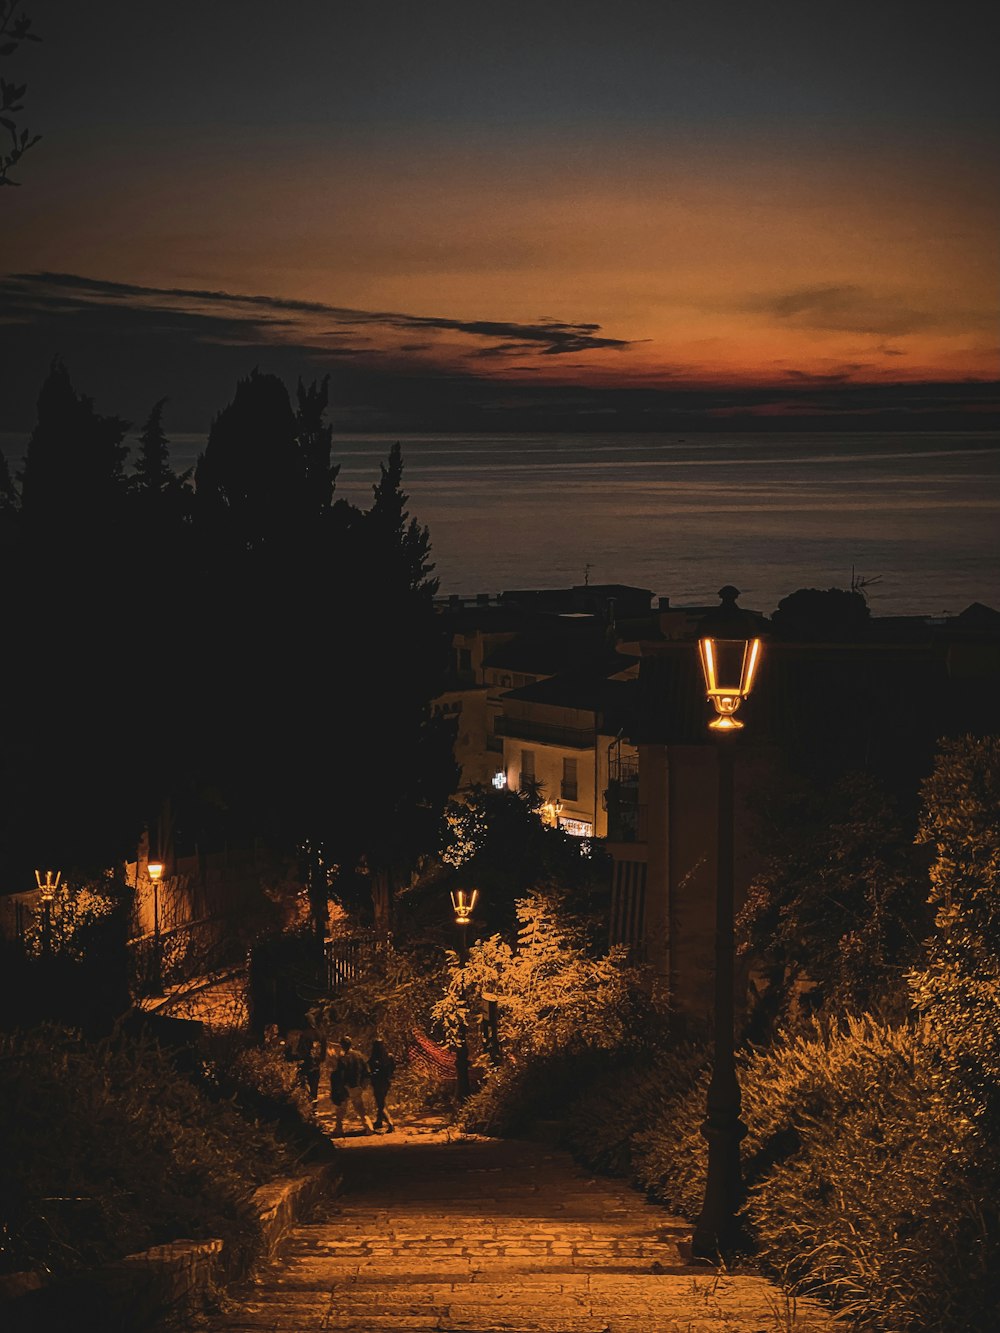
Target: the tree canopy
pixel 261 653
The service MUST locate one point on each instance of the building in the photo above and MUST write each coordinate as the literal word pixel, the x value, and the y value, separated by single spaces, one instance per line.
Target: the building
pixel 596 699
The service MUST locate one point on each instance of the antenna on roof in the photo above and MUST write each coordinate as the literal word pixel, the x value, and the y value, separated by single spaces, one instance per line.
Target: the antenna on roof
pixel 586 575
pixel 859 584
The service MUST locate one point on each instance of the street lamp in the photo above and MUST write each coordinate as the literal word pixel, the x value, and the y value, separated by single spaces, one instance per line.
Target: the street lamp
pixel 47 891
pixel 730 652
pixel 154 869
pixel 463 904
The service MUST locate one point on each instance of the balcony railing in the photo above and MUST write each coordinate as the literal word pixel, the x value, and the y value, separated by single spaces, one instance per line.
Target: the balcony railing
pixel 548 733
pixel 627 819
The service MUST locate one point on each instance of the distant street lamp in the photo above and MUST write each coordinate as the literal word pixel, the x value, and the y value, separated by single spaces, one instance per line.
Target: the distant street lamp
pixel 47 891
pixel 463 904
pixel 154 869
pixel 730 652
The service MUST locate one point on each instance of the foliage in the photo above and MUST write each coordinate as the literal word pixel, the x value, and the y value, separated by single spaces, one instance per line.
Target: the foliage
pixel 814 615
pixel 868 1182
pixel 518 1094
pixel 496 842
pixel 298 605
pixel 71 913
pixel 618 1123
pixel 390 997
pixel 73 466
pixel 550 994
pixel 837 907
pixel 15 28
pixel 108 1150
pixel 884 1195
pixel 957 985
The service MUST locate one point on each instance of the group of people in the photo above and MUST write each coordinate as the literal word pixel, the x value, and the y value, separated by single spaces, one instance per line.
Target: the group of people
pixel 350 1073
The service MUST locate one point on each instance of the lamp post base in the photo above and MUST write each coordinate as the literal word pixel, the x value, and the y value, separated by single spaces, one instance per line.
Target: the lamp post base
pixel 720 1233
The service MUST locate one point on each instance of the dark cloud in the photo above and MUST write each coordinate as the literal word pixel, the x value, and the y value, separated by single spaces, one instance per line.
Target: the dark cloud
pixel 128 346
pixel 844 309
pixel 551 337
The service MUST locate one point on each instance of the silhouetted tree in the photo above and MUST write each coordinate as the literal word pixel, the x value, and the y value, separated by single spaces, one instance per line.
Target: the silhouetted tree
pixel 407 750
pixel 8 492
pixel 251 479
pixel 73 476
pixel 314 437
pixel 812 615
pixel 162 500
pixel 72 797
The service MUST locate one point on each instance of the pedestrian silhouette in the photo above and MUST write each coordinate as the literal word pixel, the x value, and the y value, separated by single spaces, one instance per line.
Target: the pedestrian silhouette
pixel 347 1079
pixel 381 1067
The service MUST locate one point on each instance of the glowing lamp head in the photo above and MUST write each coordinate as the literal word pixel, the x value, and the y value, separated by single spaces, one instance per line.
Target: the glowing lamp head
pixel 464 904
pixel 730 655
pixel 47 887
pixel 154 869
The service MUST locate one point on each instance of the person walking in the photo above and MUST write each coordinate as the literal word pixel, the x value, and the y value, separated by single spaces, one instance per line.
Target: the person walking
pixel 347 1080
pixel 381 1067
pixel 310 1060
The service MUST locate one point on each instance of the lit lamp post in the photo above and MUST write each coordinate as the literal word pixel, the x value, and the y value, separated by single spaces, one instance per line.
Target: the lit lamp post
pixel 47 891
pixel 463 904
pixel 730 654
pixel 154 869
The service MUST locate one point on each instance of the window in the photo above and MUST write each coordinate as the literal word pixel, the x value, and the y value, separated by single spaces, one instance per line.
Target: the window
pixel 578 828
pixel 464 659
pixel 527 769
pixel 568 789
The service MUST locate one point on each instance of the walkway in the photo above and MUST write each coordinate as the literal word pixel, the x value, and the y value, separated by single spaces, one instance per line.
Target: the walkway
pixel 471 1235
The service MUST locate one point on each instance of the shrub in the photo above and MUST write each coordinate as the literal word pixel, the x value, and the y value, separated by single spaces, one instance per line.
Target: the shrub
pixel 868 1182
pixel 517 1094
pixel 618 1125
pixel 957 984
pixel 552 997
pixel 108 1150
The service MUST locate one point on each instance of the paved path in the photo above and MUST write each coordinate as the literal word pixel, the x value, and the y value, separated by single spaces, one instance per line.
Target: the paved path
pixel 434 1231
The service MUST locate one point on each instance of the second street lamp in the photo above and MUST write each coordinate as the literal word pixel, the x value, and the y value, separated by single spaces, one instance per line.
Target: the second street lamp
pixel 730 653
pixel 154 869
pixel 47 888
pixel 463 903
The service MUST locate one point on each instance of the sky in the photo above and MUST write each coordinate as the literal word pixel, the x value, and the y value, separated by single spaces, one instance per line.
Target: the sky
pixel 511 216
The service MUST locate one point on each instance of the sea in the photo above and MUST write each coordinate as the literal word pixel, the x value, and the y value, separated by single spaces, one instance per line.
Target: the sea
pixel 912 519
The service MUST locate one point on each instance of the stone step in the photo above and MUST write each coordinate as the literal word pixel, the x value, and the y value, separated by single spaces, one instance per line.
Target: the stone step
pixel 481 1236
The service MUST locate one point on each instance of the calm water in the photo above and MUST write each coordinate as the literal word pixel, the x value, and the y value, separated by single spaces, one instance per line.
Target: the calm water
pixel 684 516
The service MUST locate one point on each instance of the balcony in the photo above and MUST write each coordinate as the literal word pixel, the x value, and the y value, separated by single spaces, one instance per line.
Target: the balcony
pixel 546 733
pixel 627 819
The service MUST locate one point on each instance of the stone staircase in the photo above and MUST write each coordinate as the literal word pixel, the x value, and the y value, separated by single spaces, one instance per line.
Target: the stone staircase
pixel 474 1235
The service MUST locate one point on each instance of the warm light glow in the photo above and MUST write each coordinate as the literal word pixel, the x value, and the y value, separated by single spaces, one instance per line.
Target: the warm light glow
pixel 47 887
pixel 730 668
pixel 154 869
pixel 464 904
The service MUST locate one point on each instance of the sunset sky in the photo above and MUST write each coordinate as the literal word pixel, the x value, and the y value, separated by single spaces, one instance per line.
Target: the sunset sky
pixel 512 215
